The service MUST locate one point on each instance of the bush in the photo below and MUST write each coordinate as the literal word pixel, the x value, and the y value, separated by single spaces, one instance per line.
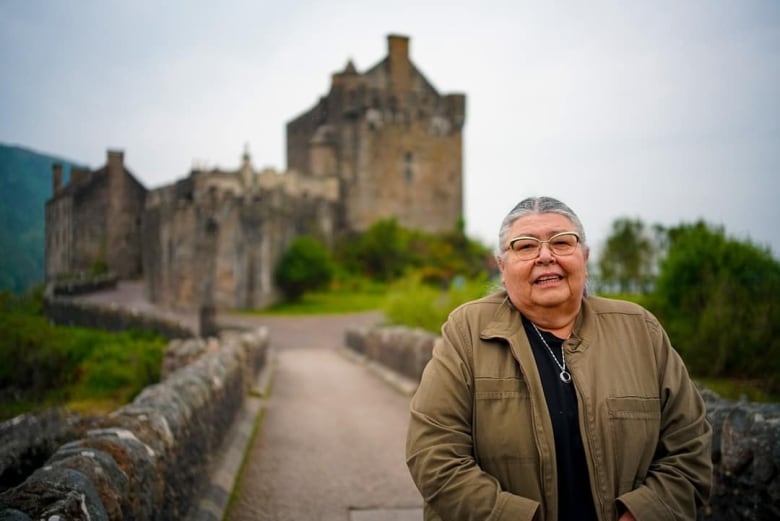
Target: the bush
pixel 47 365
pixel 717 298
pixel 122 366
pixel 413 303
pixel 386 251
pixel 306 266
pixel 381 252
pixel 35 358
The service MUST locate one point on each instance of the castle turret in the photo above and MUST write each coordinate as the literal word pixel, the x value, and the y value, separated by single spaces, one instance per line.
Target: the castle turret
pixel 247 173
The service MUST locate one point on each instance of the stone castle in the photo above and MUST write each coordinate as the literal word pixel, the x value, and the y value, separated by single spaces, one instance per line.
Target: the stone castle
pixel 381 144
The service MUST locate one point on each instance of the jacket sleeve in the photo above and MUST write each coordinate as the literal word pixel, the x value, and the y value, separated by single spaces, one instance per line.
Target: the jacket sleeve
pixel 439 446
pixel 680 476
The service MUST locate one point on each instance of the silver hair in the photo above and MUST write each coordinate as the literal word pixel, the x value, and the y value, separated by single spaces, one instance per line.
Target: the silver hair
pixel 533 205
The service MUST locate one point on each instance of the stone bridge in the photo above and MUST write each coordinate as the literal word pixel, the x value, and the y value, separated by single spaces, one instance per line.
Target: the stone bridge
pixel 292 418
pixel 215 439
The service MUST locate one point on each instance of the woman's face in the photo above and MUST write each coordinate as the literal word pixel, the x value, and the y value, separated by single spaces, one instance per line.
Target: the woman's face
pixel 547 281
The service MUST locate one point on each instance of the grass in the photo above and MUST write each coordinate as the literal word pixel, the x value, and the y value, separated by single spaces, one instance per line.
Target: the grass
pixel 733 389
pixel 90 406
pixel 85 370
pixel 238 483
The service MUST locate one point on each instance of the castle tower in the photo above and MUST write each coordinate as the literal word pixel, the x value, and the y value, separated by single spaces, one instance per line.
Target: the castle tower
pixel 94 221
pixel 394 143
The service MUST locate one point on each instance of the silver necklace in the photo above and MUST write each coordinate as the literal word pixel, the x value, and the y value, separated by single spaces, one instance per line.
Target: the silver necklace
pixel 565 375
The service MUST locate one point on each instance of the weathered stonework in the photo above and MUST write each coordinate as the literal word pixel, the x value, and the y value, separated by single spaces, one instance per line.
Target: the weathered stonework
pixel 381 144
pixel 213 239
pixel 393 142
pixel 95 221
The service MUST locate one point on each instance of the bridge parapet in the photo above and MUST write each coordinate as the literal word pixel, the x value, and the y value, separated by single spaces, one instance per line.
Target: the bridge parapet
pixel 110 317
pixel 149 459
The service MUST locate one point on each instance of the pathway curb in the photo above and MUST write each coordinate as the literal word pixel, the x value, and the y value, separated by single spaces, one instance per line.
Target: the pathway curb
pixel 226 466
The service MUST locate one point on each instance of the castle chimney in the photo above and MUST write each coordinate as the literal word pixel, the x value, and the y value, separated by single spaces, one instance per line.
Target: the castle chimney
pixel 400 67
pixel 115 159
pixel 56 170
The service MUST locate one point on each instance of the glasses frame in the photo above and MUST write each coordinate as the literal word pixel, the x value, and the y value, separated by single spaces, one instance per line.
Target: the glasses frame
pixel 540 242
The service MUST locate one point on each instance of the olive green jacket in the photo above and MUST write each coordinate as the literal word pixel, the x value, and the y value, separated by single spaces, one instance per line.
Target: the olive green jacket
pixel 480 442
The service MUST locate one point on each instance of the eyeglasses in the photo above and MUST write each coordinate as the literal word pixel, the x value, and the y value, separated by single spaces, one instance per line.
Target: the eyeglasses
pixel 527 248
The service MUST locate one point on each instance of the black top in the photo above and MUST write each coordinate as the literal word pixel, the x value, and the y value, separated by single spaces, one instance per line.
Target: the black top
pixel 575 501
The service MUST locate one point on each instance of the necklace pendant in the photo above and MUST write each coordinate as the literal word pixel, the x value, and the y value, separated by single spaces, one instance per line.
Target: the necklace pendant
pixel 565 376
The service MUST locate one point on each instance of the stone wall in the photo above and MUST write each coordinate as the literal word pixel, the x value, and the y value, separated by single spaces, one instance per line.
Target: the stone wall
pixel 746 436
pixel 746 456
pixel 148 460
pixel 70 312
pixel 82 283
pixel 214 239
pixel 404 350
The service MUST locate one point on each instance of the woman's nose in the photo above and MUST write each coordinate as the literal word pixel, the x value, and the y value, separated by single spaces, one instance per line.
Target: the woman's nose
pixel 545 253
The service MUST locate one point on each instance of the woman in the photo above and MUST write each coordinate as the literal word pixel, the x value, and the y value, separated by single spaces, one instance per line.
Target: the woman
pixel 542 403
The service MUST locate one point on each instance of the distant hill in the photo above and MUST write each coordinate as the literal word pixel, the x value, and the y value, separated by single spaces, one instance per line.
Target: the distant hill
pixel 25 186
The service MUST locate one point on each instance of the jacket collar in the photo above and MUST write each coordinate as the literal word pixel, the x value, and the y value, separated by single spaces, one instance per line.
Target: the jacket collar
pixel 507 322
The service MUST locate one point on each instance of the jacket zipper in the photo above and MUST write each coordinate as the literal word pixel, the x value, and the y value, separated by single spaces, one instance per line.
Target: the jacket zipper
pixel 583 414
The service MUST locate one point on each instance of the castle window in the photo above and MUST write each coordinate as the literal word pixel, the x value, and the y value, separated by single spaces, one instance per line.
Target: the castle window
pixel 408 160
pixel 374 119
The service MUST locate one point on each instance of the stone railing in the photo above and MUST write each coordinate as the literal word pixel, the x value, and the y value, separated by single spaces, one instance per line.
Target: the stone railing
pixel 746 438
pixel 75 312
pixel 403 350
pixel 148 460
pixel 81 283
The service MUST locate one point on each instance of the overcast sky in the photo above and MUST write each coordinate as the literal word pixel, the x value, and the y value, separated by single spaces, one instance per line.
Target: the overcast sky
pixel 667 111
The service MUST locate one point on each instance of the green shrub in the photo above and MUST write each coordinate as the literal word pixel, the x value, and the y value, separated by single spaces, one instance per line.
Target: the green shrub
pixel 122 366
pixel 381 252
pixel 386 251
pixel 46 365
pixel 306 266
pixel 414 303
pixel 717 298
pixel 34 356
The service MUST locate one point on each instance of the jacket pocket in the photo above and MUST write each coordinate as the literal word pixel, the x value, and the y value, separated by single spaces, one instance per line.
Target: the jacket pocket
pixel 635 423
pixel 502 420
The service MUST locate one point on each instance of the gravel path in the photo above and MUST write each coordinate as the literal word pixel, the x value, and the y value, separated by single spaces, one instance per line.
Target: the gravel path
pixel 330 445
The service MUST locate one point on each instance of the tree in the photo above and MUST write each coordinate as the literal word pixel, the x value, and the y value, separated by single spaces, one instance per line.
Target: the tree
pixel 305 266
pixel 629 258
pixel 718 299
